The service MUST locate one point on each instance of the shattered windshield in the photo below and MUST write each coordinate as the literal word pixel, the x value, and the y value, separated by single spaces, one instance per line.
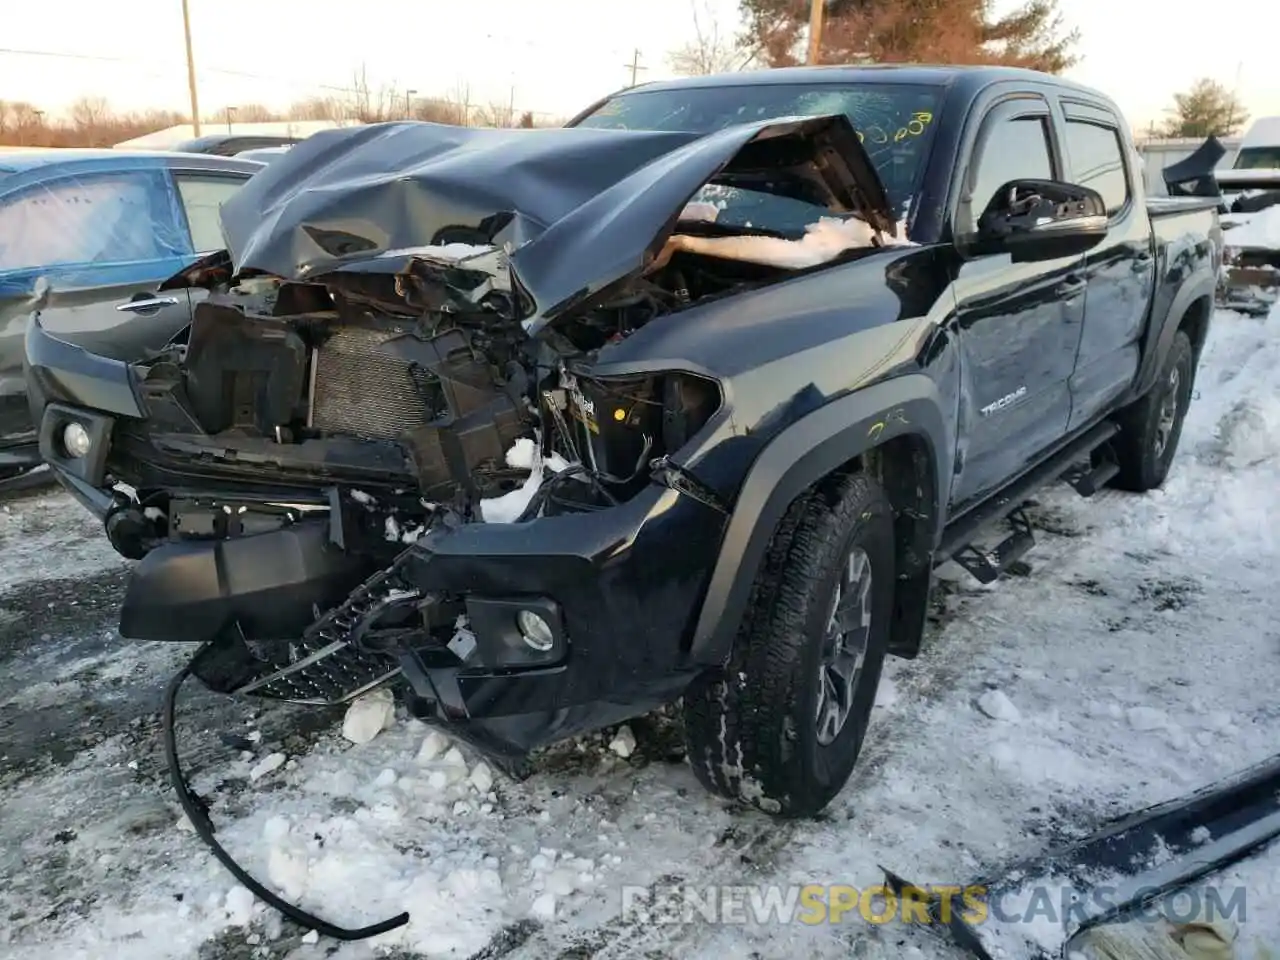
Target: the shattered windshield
pixel 894 122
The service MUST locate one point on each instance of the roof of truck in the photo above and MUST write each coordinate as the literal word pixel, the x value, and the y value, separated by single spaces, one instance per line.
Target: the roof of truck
pixel 844 73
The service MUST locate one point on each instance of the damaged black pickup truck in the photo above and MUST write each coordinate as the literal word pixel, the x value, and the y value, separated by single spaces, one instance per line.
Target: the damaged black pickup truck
pixel 686 400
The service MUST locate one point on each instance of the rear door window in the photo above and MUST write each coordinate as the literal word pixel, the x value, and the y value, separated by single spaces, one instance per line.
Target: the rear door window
pixel 1097 161
pixel 96 218
pixel 202 198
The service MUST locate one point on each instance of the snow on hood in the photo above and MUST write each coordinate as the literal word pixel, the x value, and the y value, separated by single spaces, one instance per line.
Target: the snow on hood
pixel 578 208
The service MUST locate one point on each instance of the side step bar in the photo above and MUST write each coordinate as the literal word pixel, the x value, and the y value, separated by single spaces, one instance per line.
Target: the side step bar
pixel 957 539
pixel 1143 858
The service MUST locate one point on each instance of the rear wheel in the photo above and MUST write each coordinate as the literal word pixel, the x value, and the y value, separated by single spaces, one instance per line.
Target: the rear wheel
pixel 782 725
pixel 1152 427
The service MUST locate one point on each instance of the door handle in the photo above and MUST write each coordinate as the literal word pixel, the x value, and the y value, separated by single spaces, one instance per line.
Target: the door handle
pixel 144 306
pixel 1070 289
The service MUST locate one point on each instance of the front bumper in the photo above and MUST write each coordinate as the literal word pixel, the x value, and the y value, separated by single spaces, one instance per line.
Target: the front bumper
pixel 627 583
pixel 66 384
pixel 620 588
pixel 624 585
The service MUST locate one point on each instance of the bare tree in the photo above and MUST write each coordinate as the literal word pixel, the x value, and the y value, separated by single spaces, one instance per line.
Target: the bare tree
pixel 256 113
pixel 496 115
pixel 434 110
pixel 88 113
pixel 91 124
pixel 374 106
pixel 461 99
pixel 319 108
pixel 710 50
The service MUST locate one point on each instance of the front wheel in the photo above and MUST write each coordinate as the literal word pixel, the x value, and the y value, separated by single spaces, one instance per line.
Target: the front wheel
pixel 1151 428
pixel 782 725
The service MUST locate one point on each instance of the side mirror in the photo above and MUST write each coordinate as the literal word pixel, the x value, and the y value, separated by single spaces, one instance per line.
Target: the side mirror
pixel 1042 220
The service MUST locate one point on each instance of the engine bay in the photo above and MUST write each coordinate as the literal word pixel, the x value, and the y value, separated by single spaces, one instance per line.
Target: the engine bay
pixel 414 391
pixel 413 382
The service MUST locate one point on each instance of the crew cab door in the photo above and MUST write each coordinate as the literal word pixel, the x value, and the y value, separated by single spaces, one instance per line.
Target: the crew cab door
pixel 1119 272
pixel 1018 324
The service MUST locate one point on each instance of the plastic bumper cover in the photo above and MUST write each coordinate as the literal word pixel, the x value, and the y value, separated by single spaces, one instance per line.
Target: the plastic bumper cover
pixel 66 384
pixel 617 589
pixel 622 585
pixel 267 585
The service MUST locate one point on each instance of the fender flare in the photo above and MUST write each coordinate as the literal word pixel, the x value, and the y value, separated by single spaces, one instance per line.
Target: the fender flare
pixel 803 453
pixel 1200 285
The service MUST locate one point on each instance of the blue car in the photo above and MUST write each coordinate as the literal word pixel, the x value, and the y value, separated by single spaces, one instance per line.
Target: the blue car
pixel 92 233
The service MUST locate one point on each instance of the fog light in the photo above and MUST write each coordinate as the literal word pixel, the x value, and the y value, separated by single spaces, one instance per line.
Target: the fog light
pixel 537 633
pixel 75 440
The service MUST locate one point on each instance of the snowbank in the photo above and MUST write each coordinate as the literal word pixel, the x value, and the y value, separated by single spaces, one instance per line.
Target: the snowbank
pixel 1261 229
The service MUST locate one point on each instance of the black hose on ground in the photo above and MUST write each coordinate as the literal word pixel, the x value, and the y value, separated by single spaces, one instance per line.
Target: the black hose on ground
pixel 198 813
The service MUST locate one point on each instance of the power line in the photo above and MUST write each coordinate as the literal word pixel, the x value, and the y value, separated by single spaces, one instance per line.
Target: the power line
pixel 203 70
pixel 218 70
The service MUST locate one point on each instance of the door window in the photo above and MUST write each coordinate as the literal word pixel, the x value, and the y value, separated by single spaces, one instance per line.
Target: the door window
pixel 1015 149
pixel 202 197
pixel 95 218
pixel 1097 161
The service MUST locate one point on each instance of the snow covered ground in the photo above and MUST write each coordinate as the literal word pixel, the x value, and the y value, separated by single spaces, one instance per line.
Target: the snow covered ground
pixel 1136 662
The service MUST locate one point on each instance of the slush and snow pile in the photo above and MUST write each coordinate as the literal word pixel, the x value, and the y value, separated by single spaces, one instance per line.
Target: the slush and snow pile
pixel 47 537
pixel 1261 229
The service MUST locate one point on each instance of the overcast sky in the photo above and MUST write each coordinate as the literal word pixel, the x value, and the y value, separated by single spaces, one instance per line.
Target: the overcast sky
pixel 554 55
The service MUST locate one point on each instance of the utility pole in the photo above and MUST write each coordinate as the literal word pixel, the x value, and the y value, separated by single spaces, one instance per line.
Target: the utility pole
pixel 634 66
pixel 191 71
pixel 408 104
pixel 815 31
pixel 1231 111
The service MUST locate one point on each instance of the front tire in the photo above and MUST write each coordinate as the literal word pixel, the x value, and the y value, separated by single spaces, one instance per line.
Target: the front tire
pixel 782 725
pixel 1151 427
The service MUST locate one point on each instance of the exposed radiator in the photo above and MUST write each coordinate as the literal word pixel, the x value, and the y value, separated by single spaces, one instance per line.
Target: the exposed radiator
pixel 361 388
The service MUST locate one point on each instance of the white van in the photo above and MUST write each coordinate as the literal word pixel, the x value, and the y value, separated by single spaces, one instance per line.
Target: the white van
pixel 1257 163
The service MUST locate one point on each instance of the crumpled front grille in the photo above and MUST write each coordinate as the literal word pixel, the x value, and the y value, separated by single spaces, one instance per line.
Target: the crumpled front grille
pixel 361 388
pixel 327 668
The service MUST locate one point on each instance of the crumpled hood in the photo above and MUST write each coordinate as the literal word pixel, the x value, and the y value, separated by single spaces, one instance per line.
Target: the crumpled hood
pixel 579 208
pixel 357 192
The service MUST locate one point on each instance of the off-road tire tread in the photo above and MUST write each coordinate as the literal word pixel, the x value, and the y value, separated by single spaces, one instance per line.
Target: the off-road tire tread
pixel 1139 469
pixel 736 745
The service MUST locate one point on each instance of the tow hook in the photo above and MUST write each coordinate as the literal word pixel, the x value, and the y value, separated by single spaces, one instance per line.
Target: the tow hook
pixel 129 531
